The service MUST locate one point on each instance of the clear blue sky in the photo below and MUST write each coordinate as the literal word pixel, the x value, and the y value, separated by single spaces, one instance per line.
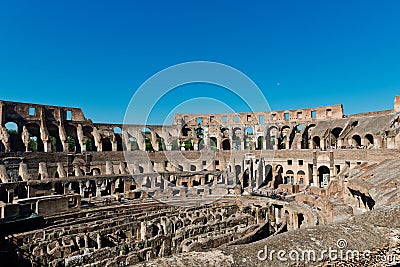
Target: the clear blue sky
pixel 95 54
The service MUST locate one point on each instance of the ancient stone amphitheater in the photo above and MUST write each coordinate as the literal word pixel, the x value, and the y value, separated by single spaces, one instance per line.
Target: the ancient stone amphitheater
pixel 247 189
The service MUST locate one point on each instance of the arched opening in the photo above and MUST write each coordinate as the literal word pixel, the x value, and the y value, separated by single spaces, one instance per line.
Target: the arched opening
pixel 189 144
pixel 161 144
pixel 106 144
pixel 370 140
pixel 186 131
pixel 200 138
pixel 118 138
pixel 316 142
pixel 289 177
pixel 226 144
pixel 15 139
pixel 236 138
pixel 248 141
pixel 175 145
pixel 271 137
pixel 134 144
pixel 278 177
pixel 146 132
pixel 335 133
pixel 72 138
pixel 90 143
pixel 59 188
pixel 246 178
pixel 306 141
pixel 260 143
pixel 213 143
pixel 268 174
pixel 301 177
pixel 356 140
pixel 54 138
pixel 35 142
pixel 283 138
pixel 238 171
pixel 323 175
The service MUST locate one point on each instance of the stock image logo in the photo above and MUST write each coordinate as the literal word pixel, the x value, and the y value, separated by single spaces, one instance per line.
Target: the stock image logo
pixel 338 253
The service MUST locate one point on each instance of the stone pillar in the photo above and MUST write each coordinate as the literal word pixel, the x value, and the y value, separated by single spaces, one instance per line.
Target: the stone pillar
pixel 86 238
pixel 109 168
pixel 114 146
pixel 219 142
pixel 276 143
pixel 166 184
pixel 331 165
pixel 82 189
pixel 98 188
pixel 10 195
pixel 315 169
pixel 323 144
pixel 98 241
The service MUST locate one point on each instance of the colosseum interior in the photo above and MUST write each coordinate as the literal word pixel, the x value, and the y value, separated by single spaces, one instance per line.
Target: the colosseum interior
pixel 208 190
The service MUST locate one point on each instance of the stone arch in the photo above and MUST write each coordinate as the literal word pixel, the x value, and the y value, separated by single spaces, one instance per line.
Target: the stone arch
pixel 36 143
pixel 14 130
pixel 106 144
pixel 306 140
pixel 316 142
pixel 334 136
pixel 134 143
pixel 260 143
pixel 236 138
pixel 72 138
pixel 54 138
pixel 268 177
pixel 356 140
pixel 226 144
pixel 336 132
pixel 278 175
pixel 147 135
pixel 90 142
pixel 200 138
pixel 186 130
pixel 284 138
pixel 272 135
pixel 118 137
pixel 248 141
pixel 369 138
pixel 323 175
pixel 301 177
pixel 289 177
pixel 161 143
pixel 213 143
pixel 238 171
pixel 246 178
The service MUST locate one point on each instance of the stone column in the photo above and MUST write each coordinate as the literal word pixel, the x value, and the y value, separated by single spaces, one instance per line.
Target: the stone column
pixel 276 143
pixel 165 182
pixel 82 189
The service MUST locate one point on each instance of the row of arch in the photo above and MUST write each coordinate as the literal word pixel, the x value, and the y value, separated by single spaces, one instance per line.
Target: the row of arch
pixel 276 138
